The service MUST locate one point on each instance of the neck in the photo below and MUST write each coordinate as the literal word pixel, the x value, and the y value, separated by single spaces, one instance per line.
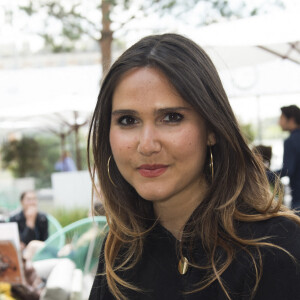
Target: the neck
pixel 294 128
pixel 174 213
pixel 292 125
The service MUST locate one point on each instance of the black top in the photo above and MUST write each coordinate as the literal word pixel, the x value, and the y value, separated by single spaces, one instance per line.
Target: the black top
pixel 27 234
pixel 291 165
pixel 156 273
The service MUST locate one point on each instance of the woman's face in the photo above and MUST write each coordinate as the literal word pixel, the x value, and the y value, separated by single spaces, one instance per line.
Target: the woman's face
pixel 29 200
pixel 157 139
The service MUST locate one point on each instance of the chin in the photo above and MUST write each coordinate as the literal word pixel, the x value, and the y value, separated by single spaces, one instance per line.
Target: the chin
pixel 152 196
pixel 153 191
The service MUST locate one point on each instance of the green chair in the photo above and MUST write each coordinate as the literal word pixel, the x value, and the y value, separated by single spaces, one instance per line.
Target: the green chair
pixel 53 227
pixel 82 243
pixel 7 200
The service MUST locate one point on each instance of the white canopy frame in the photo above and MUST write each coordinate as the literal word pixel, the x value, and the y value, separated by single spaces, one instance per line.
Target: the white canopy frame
pixel 252 40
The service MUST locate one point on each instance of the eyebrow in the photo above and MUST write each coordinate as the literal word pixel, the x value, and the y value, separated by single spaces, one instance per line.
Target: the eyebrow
pixel 158 111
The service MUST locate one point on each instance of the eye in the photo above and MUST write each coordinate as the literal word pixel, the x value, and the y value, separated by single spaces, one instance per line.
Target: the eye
pixel 127 121
pixel 172 118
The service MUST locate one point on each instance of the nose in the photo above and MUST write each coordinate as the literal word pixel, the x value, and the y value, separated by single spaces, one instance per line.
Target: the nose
pixel 149 141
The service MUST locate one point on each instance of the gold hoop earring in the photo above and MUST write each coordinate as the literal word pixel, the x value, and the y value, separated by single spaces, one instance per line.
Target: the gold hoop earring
pixel 211 165
pixel 108 172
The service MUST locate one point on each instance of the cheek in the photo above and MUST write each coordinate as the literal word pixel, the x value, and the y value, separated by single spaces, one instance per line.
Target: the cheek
pixel 191 143
pixel 121 144
pixel 191 152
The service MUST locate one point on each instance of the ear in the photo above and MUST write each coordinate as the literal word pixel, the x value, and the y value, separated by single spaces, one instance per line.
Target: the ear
pixel 211 139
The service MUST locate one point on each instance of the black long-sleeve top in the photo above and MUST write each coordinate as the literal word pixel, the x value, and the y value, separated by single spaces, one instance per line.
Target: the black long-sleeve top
pixel 157 274
pixel 27 234
pixel 291 165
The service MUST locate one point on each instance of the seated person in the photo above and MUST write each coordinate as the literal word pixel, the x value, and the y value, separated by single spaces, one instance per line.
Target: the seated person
pixel 265 154
pixel 32 224
pixel 30 289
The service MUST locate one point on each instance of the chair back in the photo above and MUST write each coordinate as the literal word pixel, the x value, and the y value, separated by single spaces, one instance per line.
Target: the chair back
pixel 53 227
pixel 82 243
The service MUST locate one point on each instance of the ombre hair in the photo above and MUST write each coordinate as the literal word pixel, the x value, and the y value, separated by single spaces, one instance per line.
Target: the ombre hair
pixel 230 197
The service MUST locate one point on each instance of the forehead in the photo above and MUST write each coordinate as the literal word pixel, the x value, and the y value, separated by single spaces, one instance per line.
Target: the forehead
pixel 146 86
pixel 30 195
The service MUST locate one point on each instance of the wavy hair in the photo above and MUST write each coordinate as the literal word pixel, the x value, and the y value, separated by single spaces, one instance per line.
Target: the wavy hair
pixel 230 197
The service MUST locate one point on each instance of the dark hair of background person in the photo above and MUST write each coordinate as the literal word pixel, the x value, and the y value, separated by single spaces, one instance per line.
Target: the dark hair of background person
pixel 292 111
pixel 24 194
pixel 239 191
pixel 98 209
pixel 265 152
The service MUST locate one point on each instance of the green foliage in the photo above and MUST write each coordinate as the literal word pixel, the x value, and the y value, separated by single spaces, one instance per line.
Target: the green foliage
pixel 22 157
pixel 82 146
pixel 248 132
pixel 28 9
pixel 214 10
pixel 72 23
pixel 75 20
pixel 32 157
pixel 49 154
pixel 274 132
pixel 68 216
pixel 55 47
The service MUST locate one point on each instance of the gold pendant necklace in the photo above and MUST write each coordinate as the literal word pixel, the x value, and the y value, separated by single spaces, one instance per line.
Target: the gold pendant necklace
pixel 183 265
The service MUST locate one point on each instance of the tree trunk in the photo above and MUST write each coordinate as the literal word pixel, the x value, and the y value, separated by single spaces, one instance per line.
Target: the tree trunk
pixel 77 146
pixel 62 142
pixel 106 36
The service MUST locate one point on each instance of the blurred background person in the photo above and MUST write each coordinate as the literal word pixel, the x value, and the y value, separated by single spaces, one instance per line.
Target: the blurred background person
pixel 290 121
pixel 265 154
pixel 66 163
pixel 33 225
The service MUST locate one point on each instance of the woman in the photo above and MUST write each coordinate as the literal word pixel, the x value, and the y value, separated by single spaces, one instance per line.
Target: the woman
pixel 188 205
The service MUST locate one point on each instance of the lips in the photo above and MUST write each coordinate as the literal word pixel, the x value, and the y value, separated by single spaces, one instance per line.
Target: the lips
pixel 152 170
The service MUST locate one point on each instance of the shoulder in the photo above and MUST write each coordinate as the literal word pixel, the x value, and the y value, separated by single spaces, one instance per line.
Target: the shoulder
pixel 280 263
pixel 279 255
pixel 293 139
pixel 17 217
pixel 276 227
pixel 279 231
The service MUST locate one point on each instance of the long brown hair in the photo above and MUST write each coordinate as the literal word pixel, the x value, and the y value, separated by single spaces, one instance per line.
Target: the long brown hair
pixel 230 197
